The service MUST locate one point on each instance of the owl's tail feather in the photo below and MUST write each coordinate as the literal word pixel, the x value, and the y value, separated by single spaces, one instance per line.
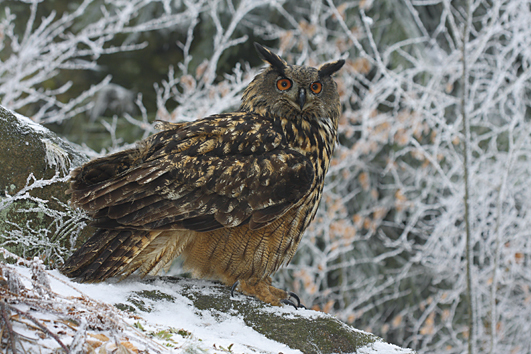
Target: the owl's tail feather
pixel 106 254
pixel 109 253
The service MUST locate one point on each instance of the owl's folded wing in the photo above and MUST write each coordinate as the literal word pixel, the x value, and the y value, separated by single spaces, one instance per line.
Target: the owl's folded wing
pixel 197 181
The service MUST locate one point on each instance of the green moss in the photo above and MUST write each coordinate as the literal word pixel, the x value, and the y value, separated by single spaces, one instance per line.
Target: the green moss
pixel 154 295
pixel 125 307
pixel 136 300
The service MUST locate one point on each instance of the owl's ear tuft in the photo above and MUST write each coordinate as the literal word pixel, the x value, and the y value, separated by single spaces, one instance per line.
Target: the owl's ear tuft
pixel 274 60
pixel 329 68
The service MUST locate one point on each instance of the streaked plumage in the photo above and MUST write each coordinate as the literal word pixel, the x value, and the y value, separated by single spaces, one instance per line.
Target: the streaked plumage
pixel 231 193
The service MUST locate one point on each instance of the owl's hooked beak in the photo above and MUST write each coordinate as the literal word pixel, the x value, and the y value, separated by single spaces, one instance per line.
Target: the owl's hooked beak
pixel 301 98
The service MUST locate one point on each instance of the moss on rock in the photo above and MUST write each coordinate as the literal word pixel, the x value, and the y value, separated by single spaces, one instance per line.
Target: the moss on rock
pixel 306 330
pixel 35 219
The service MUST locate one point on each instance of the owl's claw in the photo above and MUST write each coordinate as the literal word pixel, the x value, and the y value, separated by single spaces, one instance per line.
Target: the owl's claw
pixel 233 287
pixel 289 302
pixel 296 297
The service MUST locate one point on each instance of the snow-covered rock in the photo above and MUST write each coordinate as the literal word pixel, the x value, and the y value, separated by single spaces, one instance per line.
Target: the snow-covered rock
pixel 163 315
pixel 34 216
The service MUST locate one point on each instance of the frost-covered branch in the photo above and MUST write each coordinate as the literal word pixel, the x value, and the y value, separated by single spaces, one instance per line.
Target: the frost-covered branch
pixel 31 310
pixel 50 242
pixel 466 176
pixel 31 184
pixel 57 42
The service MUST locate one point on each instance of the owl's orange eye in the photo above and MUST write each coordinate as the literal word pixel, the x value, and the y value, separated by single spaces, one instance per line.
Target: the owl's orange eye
pixel 316 87
pixel 284 84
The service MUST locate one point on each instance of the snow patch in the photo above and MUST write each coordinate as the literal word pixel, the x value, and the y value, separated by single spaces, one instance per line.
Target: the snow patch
pixel 25 121
pixel 208 331
pixel 383 348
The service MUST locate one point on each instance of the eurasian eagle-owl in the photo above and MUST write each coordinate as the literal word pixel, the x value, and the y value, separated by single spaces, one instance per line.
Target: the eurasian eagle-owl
pixel 231 193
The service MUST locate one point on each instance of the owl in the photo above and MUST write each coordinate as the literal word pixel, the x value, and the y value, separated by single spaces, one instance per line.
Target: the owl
pixel 231 194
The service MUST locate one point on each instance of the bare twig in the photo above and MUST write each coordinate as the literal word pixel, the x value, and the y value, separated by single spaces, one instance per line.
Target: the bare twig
pixel 38 324
pixel 11 335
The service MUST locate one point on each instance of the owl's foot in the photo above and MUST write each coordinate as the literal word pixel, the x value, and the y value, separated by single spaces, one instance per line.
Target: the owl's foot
pixel 264 291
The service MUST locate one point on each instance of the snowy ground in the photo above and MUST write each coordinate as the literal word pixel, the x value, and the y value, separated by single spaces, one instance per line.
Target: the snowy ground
pixel 171 327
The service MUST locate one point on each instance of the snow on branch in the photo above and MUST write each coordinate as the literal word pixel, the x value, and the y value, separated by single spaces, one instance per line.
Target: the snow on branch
pixel 31 238
pixel 57 42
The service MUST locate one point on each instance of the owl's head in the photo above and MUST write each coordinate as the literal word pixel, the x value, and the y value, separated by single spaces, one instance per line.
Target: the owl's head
pixel 293 91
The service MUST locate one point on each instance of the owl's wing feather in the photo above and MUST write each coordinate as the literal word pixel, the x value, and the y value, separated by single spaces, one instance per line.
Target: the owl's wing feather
pixel 222 171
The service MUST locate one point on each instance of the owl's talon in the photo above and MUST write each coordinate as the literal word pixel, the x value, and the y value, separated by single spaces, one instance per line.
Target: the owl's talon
pixel 289 302
pixel 233 287
pixel 296 297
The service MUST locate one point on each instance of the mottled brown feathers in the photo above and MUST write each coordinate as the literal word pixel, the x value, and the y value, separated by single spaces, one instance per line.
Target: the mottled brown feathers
pixel 231 193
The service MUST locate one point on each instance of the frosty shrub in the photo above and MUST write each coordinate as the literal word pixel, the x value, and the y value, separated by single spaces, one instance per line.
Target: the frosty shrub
pixel 435 96
pixel 51 243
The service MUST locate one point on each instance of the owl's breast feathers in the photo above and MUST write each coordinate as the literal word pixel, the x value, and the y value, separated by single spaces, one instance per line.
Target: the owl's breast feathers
pixel 222 171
